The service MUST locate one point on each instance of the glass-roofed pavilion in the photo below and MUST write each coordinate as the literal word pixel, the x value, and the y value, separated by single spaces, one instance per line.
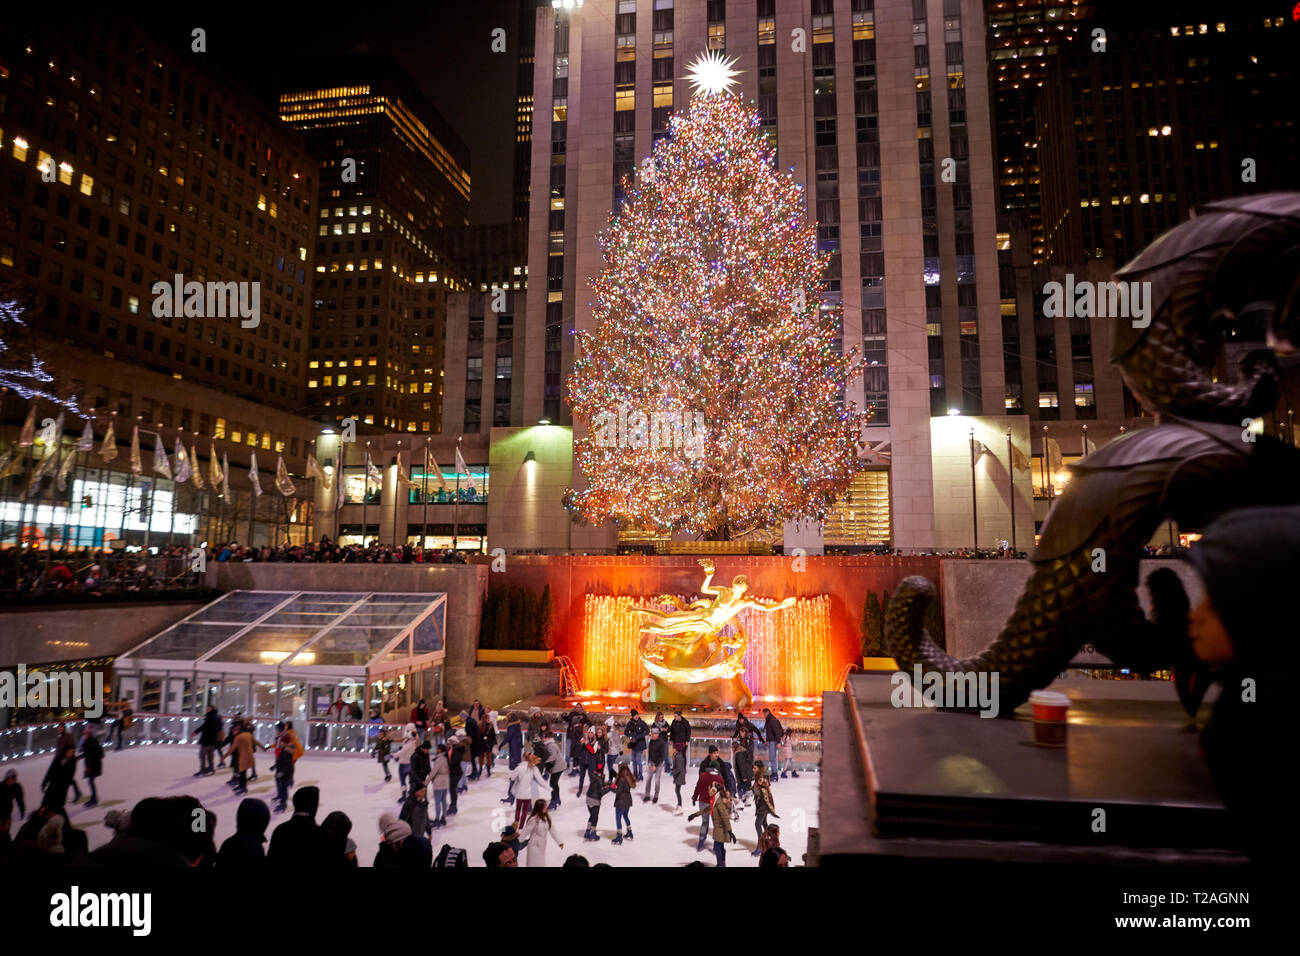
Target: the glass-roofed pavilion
pixel 292 655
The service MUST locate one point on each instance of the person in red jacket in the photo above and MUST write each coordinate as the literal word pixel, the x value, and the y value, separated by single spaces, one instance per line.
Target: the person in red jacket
pixel 703 798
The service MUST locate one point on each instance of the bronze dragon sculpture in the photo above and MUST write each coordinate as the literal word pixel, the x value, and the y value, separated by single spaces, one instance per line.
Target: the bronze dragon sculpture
pixel 1232 271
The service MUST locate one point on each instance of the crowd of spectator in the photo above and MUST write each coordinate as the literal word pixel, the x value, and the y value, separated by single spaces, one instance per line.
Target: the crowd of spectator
pixel 97 572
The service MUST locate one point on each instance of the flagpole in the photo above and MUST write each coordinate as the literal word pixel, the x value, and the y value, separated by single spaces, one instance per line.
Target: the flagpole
pixel 1011 463
pixel 338 478
pixel 54 497
pixel 1047 489
pixel 365 495
pixel 30 454
pixel 424 493
pixel 397 493
pixel 312 525
pixel 455 505
pixel 67 511
pixel 974 501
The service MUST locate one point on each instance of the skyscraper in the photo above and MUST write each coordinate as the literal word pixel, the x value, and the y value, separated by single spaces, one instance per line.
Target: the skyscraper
pixel 394 177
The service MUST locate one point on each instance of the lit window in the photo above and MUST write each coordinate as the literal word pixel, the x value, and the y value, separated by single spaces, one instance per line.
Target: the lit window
pixel 20 149
pixel 220 430
pixel 624 100
pixel 87 184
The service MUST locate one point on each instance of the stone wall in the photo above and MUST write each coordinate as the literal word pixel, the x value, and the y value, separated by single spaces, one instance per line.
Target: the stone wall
pixel 978 597
pixel 44 635
pixel 500 684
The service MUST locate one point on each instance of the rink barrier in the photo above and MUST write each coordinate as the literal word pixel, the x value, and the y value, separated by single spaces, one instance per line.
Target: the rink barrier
pixel 323 736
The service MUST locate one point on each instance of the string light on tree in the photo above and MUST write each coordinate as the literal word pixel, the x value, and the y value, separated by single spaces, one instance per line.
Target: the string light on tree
pixel 711 301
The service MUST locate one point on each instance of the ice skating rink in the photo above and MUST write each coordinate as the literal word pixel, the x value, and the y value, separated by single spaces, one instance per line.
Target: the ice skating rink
pixel 355 785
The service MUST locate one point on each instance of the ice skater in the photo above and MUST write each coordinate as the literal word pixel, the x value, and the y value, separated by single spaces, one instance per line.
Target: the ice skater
pixel 787 754
pixel 92 762
pixel 764 805
pixel 410 740
pixel 624 785
pixel 536 832
pixel 703 798
pixel 528 785
pixel 721 811
pixel 596 789
pixel 656 752
pixel 679 776
pixel 209 734
pixel 439 780
pixel 384 753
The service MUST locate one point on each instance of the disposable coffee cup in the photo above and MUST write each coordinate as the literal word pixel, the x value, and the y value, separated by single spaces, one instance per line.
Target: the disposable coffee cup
pixel 1050 710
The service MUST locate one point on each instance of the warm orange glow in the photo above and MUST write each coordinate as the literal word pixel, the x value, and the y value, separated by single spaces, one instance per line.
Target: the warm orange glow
pixel 788 657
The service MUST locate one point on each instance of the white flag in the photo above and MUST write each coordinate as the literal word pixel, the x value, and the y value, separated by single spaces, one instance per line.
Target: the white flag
pixel 27 436
pixel 108 450
pixel 69 459
pixel 253 476
pixel 432 466
pixel 197 477
pixel 402 477
pixel 48 462
pixel 461 466
pixel 283 483
pixel 183 467
pixel 314 469
pixel 372 473
pixel 160 464
pixel 136 466
pixel 215 474
pixel 224 476
pixel 87 440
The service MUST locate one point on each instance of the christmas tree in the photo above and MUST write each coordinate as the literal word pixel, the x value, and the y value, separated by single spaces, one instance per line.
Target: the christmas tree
pixel 713 384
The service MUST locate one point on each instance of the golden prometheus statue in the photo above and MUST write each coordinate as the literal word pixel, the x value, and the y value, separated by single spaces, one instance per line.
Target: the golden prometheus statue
pixel 689 658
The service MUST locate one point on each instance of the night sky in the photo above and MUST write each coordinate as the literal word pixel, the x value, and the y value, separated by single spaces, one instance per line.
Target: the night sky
pixel 443 45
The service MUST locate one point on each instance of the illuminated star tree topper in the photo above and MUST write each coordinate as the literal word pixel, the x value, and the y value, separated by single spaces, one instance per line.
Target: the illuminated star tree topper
pixel 712 383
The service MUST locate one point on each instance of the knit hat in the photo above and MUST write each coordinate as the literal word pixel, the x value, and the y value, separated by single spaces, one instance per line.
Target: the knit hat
pixel 1247 560
pixel 50 839
pixel 509 834
pixel 392 828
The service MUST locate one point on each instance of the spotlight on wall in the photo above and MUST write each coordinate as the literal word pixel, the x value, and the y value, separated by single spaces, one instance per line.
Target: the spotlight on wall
pixel 543 421
pixel 954 411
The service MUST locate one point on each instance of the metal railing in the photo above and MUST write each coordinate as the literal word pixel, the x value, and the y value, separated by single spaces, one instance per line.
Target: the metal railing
pixel 34 740
pixel 325 736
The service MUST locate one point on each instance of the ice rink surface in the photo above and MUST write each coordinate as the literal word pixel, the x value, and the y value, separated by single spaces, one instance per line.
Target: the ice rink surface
pixel 355 785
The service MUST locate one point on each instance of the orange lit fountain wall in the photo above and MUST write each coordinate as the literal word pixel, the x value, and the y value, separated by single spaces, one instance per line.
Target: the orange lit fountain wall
pixel 790 652
pixel 824 640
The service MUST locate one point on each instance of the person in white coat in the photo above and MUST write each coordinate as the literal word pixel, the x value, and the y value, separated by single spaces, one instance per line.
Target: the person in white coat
pixel 615 747
pixel 535 833
pixel 410 740
pixel 528 786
